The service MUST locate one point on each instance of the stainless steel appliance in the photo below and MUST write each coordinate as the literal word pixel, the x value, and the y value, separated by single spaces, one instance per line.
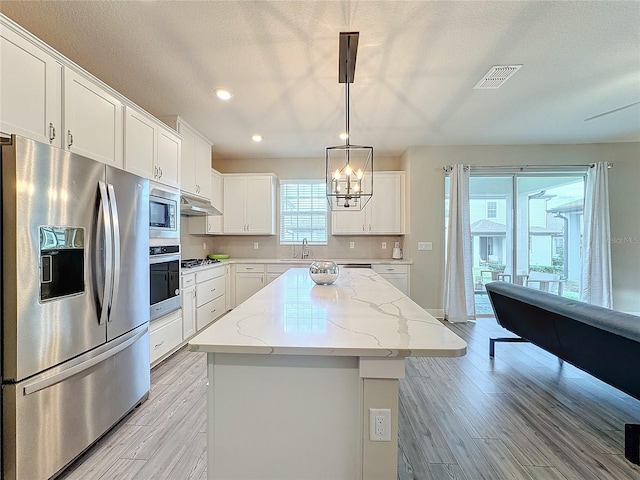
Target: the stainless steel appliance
pixel 164 280
pixel 164 216
pixel 195 207
pixel 198 262
pixel 75 296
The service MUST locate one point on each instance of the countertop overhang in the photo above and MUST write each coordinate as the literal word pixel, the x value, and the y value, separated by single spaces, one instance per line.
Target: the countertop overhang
pixel 361 314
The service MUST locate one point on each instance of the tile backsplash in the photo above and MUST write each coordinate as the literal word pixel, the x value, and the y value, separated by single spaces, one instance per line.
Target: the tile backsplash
pixel 240 246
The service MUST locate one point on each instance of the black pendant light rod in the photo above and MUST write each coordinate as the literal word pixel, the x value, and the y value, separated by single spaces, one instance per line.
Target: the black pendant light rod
pixel 347 69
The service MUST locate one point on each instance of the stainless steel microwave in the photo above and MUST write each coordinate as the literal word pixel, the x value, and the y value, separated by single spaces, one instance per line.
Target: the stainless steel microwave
pixel 164 213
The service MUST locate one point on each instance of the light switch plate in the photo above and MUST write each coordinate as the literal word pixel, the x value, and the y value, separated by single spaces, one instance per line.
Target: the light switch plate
pixel 352 244
pixel 425 246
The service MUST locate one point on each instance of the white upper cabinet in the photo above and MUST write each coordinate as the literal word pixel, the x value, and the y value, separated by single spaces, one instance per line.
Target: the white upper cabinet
pixel 169 157
pixel 92 120
pixel 203 167
pixel 150 149
pixel 195 161
pixel 383 215
pixel 30 89
pixel 211 224
pixel 249 204
pixel 139 143
pixel 39 88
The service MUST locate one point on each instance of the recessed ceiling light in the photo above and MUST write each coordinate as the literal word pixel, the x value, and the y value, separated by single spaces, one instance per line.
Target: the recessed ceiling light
pixel 256 138
pixel 344 135
pixel 223 94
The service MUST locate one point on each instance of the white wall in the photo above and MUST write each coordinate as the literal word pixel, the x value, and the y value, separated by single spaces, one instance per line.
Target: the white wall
pixel 426 186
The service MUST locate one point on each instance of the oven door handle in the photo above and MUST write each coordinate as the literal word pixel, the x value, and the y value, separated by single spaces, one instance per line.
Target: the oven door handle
pixel 163 258
pixel 108 252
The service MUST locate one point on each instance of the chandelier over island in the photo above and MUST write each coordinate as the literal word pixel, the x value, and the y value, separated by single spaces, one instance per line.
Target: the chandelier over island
pixel 349 168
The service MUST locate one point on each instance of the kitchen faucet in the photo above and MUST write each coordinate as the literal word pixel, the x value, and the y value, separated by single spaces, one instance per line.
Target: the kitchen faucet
pixel 305 248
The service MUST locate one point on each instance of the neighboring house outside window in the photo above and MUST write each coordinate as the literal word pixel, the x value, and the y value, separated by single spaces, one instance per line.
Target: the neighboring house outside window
pixel 303 212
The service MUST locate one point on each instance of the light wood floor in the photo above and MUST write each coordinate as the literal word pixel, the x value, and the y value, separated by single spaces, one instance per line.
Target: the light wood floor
pixel 520 416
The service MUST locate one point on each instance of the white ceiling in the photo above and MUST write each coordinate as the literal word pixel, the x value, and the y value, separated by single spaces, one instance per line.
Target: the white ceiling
pixel 417 64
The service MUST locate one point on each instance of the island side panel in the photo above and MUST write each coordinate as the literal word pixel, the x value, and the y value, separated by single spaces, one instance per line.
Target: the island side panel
pixel 277 416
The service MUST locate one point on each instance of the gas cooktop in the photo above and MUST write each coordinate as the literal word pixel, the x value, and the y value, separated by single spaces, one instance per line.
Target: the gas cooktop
pixel 197 262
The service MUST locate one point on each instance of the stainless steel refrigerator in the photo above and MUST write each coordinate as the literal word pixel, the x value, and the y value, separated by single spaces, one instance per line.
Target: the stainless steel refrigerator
pixel 75 303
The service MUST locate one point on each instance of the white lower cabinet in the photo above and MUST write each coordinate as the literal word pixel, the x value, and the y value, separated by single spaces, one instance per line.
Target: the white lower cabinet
pixel 248 280
pixel 188 296
pixel 165 334
pixel 274 271
pixel 210 295
pixel 207 313
pixel 396 275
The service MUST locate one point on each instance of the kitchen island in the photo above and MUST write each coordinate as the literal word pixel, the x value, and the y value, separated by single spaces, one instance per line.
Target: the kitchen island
pixel 294 371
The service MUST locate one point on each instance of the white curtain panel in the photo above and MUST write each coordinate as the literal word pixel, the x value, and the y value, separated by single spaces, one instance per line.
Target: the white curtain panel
pixel 596 252
pixel 459 303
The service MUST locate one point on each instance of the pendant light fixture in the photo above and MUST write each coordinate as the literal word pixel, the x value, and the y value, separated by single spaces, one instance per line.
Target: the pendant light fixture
pixel 349 168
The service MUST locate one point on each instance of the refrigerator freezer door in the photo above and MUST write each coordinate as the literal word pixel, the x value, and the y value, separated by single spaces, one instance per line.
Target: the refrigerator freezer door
pixel 45 186
pixel 56 415
pixel 129 197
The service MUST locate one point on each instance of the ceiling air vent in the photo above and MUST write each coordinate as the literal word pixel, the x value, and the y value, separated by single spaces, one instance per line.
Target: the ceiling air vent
pixel 496 77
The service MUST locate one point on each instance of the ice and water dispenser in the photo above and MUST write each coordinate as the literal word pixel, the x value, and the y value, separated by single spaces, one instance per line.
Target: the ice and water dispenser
pixel 62 257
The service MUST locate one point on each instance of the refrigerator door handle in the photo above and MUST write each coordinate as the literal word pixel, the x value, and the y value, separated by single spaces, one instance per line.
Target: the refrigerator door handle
pixel 116 246
pixel 70 372
pixel 108 252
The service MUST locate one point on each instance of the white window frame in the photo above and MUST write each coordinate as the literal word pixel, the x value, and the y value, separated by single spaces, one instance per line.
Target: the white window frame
pixel 320 198
pixel 492 206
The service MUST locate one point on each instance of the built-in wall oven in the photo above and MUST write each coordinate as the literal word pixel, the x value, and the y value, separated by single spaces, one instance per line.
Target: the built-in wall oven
pixel 164 216
pixel 164 278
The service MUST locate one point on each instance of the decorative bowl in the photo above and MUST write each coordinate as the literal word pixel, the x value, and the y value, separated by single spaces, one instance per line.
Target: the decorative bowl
pixel 218 256
pixel 323 272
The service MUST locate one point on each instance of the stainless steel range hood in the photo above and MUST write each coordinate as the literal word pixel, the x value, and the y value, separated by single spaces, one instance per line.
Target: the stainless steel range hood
pixel 194 207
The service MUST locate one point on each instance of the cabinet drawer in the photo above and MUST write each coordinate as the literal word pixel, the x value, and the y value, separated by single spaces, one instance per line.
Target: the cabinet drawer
pixel 188 280
pixel 388 268
pixel 208 312
pixel 165 338
pixel 210 273
pixel 250 268
pixel 207 291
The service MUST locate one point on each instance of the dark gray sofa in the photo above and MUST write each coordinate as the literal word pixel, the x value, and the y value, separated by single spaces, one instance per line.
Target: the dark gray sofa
pixel 604 343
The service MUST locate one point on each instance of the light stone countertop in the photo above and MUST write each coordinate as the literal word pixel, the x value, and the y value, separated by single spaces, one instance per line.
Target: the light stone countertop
pixel 361 314
pixel 296 261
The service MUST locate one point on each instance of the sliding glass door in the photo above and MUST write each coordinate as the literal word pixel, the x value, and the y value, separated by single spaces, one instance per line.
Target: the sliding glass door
pixel 526 228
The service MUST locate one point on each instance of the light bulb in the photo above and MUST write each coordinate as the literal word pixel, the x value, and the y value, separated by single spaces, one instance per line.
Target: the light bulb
pixel 336 174
pixel 347 170
pixel 356 187
pixel 359 174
